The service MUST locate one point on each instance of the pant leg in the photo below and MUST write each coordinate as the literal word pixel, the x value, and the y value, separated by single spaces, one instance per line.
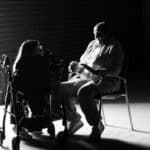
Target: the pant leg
pixel 37 103
pixel 86 95
pixel 68 93
pixel 55 98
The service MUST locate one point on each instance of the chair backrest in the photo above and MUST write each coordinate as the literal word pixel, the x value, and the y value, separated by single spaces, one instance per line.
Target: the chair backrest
pixel 123 72
pixel 121 88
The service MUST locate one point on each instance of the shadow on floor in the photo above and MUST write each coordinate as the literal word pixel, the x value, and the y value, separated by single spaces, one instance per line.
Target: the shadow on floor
pixel 79 142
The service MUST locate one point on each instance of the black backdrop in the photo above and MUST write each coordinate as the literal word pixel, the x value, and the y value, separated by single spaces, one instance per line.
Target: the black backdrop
pixel 65 26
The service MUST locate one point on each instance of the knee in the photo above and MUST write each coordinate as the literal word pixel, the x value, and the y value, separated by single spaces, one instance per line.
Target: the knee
pixel 65 93
pixel 83 93
pixel 86 92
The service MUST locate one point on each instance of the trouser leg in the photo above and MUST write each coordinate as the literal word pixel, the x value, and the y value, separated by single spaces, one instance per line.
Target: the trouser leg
pixel 88 105
pixel 68 94
pixel 69 103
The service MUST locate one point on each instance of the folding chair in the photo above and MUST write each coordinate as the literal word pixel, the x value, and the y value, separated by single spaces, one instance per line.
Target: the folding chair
pixel 122 91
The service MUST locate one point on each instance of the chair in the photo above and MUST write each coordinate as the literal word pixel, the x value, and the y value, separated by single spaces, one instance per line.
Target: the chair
pixel 122 91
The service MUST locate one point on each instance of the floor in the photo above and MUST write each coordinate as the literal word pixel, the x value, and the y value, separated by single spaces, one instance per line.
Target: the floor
pixel 117 133
pixel 117 130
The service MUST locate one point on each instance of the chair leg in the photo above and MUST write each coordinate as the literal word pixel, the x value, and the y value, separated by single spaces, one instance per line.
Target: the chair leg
pixel 129 112
pixel 128 106
pixel 103 114
pixel 101 110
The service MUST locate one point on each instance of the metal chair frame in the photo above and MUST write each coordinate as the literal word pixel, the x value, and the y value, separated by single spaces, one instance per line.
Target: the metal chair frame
pixel 115 95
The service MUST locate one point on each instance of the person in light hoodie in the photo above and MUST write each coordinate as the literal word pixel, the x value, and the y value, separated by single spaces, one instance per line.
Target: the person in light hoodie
pixel 103 55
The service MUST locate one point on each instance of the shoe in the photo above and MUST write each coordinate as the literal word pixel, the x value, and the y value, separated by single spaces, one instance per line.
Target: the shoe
pixel 56 116
pixel 74 126
pixel 37 134
pixel 97 132
pixel 24 134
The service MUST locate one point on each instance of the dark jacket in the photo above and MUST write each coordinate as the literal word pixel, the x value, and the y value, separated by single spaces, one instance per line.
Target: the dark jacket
pixel 32 75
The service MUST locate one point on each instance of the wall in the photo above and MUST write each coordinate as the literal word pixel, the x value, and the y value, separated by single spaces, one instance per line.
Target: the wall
pixel 66 26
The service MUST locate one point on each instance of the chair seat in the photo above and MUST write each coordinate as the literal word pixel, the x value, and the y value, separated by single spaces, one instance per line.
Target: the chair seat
pixel 111 95
pixel 115 93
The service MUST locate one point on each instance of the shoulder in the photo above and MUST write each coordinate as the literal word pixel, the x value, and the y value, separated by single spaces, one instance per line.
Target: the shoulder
pixel 116 44
pixel 115 47
pixel 93 42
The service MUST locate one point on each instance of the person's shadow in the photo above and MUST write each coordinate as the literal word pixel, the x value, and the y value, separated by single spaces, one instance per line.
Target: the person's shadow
pixel 81 142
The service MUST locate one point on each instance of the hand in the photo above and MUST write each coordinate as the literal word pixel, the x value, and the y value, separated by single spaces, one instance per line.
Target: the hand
pixel 73 66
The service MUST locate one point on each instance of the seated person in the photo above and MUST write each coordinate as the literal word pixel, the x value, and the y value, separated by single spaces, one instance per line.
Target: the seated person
pixel 103 55
pixel 31 76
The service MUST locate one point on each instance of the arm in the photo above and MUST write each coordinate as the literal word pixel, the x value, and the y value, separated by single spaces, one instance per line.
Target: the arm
pixel 75 66
pixel 96 72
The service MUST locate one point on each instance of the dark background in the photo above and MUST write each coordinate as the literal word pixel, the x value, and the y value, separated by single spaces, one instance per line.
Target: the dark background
pixel 66 27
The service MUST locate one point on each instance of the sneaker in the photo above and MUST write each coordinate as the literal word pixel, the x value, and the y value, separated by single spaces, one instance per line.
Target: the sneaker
pixel 97 132
pixel 35 123
pixel 24 134
pixel 74 126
